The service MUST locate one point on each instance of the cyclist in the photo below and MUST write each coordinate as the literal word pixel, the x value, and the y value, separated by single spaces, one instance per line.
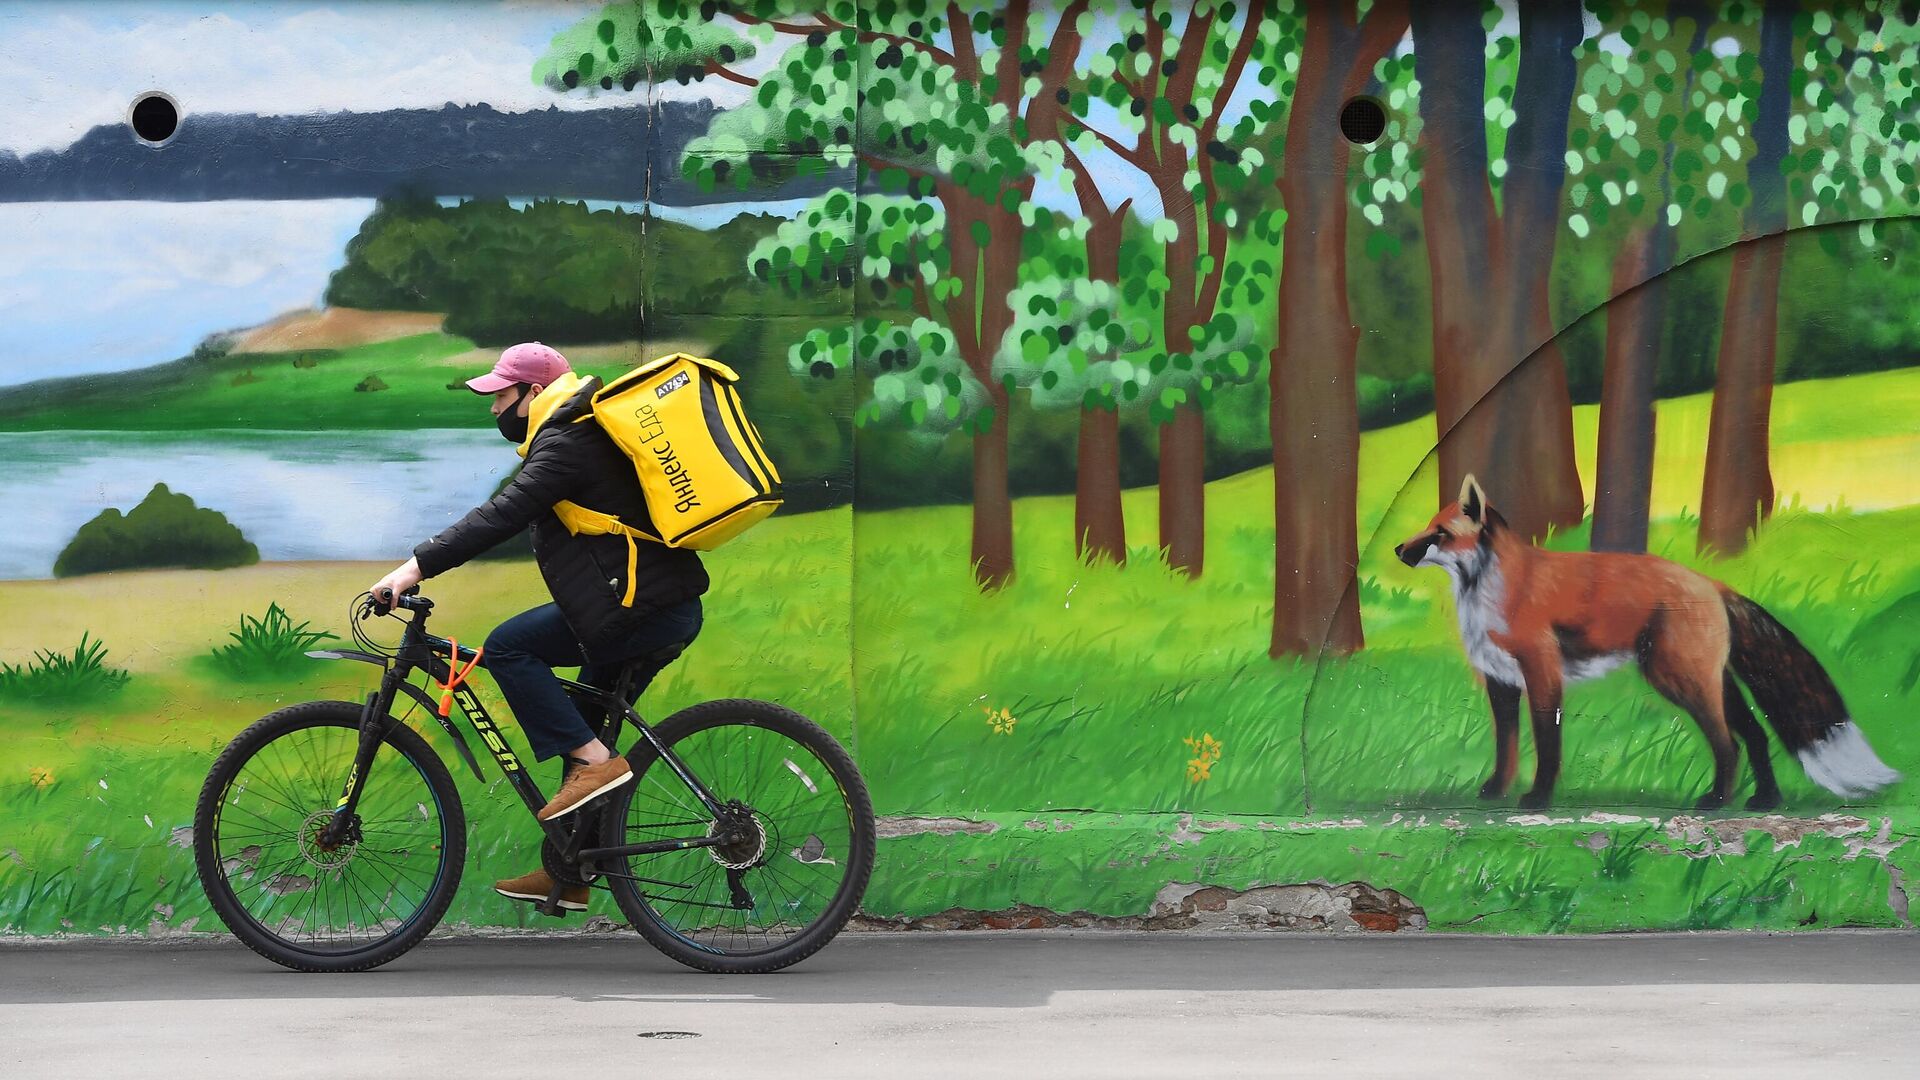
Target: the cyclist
pixel 532 386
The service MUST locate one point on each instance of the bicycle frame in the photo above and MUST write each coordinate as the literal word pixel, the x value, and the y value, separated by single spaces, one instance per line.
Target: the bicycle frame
pixel 421 651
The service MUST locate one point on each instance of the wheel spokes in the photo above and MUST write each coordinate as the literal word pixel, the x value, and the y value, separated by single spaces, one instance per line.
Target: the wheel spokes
pixel 788 874
pixel 328 897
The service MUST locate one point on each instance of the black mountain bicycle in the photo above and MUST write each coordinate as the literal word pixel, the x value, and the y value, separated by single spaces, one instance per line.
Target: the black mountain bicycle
pixel 329 835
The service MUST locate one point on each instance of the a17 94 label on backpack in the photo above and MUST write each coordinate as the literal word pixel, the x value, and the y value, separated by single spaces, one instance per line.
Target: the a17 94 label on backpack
pixel 672 384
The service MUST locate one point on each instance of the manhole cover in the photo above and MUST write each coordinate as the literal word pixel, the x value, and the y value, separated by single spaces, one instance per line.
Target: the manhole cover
pixel 669 1034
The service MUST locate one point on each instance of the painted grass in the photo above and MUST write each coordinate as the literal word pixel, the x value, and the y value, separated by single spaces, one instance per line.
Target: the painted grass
pixel 1104 672
pixel 1108 671
pixel 1118 666
pixel 79 676
pixel 267 646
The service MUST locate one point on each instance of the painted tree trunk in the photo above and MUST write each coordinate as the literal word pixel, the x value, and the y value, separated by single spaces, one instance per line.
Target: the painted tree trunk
pixel 1736 492
pixel 1193 289
pixel 992 504
pixel 1313 415
pixel 1183 490
pixel 990 273
pixel 1532 443
pixel 1462 240
pixel 1183 440
pixel 1099 521
pixel 1314 422
pixel 1636 319
pixel 1623 474
pixel 1502 408
pixel 1533 449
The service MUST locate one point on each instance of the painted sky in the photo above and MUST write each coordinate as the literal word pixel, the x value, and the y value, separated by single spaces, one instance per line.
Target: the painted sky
pixel 92 287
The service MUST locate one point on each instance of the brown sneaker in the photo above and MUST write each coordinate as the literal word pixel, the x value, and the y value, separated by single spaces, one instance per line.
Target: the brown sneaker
pixel 537 886
pixel 585 783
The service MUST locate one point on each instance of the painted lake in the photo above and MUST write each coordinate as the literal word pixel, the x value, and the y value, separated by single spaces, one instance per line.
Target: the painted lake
pixel 295 494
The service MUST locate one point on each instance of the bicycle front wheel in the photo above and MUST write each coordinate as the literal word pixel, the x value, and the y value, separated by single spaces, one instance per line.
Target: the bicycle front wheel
pixel 783 890
pixel 312 906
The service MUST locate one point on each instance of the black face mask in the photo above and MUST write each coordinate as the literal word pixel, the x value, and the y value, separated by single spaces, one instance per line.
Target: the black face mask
pixel 510 422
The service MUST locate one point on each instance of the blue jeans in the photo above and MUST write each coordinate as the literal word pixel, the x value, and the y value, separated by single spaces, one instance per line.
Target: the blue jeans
pixel 523 651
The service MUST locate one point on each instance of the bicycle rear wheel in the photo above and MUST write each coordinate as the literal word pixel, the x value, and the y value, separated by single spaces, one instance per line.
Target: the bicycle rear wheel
pixel 290 898
pixel 773 899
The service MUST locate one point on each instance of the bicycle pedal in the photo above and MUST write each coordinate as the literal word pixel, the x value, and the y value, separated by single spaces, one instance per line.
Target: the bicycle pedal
pixel 551 905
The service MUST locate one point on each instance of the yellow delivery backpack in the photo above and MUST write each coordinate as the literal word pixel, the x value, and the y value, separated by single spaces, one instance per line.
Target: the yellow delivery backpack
pixel 706 476
pixel 700 463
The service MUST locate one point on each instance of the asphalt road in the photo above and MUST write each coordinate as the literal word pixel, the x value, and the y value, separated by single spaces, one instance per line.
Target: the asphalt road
pixel 1021 1004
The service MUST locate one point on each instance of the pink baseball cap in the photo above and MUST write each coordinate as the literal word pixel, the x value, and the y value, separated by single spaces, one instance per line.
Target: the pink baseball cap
pixel 528 362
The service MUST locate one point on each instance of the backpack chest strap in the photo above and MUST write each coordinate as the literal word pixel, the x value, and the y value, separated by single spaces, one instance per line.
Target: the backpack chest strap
pixel 581 521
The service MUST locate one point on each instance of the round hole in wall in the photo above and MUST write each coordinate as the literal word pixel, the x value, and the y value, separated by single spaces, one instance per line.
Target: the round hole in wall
pixel 154 118
pixel 1363 120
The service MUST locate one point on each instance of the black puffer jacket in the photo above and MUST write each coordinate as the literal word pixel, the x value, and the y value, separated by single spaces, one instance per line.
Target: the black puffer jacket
pixel 578 463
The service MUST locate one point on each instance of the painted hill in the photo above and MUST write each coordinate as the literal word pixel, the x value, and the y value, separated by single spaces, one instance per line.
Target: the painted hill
pixel 333 328
pixel 476 150
pixel 308 370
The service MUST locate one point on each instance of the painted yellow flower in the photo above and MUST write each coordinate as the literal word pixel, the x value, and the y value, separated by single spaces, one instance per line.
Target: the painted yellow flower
pixel 1000 720
pixel 40 776
pixel 1206 754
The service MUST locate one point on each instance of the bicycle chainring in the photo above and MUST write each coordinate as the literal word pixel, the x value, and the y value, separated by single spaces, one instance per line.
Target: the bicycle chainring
pixel 558 868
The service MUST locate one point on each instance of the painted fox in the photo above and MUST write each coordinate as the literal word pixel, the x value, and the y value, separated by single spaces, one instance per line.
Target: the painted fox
pixel 1534 620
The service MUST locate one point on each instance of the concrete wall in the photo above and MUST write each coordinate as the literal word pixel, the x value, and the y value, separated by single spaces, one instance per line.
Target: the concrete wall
pixel 1105 369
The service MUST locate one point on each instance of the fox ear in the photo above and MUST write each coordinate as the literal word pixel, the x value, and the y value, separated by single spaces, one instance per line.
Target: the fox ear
pixel 1473 501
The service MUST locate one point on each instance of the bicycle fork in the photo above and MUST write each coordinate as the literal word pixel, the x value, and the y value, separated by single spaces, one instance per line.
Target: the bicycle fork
pixel 375 721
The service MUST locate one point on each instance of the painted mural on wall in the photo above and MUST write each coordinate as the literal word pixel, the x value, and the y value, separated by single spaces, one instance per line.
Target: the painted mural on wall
pixel 1206 427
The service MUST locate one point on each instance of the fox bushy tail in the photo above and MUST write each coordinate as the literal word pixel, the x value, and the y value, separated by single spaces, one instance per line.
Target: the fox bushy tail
pixel 1801 702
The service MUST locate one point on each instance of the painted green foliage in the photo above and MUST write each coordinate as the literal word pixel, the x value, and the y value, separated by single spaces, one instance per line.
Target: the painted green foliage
pixel 1075 343
pixel 1664 93
pixel 955 128
pixel 1660 128
pixel 1856 124
pixel 928 123
pixel 1157 99
pixel 944 121
pixel 1642 88
pixel 165 529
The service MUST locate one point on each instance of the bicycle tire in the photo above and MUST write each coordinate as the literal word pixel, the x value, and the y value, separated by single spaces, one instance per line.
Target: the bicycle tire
pixel 244 749
pixel 859 851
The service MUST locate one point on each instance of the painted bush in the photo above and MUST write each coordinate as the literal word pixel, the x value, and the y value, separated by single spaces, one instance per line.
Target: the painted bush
pixel 1106 369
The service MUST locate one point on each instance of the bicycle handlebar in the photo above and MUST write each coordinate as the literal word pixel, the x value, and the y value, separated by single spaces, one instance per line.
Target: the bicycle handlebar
pixel 411 600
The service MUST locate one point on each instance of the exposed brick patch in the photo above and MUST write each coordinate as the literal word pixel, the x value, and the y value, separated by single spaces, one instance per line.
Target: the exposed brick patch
pixel 1699 837
pixel 1355 906
pixel 890 828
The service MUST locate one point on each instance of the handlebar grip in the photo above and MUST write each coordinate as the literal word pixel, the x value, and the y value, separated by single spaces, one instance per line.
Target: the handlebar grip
pixel 385 604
